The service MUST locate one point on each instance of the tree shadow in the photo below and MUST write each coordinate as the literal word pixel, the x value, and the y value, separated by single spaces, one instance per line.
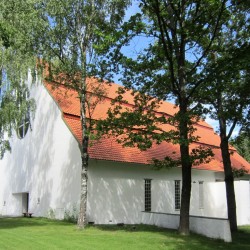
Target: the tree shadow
pixel 25 222
pixel 133 228
pixel 241 239
pixel 14 222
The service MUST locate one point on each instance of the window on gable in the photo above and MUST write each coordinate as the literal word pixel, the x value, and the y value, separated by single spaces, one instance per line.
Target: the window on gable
pixel 177 194
pixel 148 195
pixel 201 194
pixel 23 122
pixel 23 126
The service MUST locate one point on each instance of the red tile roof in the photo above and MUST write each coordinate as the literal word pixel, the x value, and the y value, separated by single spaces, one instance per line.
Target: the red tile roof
pixel 109 149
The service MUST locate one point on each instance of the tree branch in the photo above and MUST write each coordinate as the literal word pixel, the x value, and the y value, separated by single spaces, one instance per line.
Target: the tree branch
pixel 212 39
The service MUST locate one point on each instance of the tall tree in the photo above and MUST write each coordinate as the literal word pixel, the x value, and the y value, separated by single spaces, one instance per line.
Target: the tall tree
pixel 227 89
pixel 17 19
pixel 63 37
pixel 71 45
pixel 181 35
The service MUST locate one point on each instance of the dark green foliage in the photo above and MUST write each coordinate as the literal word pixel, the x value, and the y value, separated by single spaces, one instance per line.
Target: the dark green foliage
pixel 242 143
pixel 180 38
pixel 227 88
pixel 177 61
pixel 239 172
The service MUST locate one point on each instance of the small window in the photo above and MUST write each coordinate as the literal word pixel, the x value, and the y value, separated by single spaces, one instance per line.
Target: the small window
pixel 201 194
pixel 177 192
pixel 23 123
pixel 148 195
pixel 23 126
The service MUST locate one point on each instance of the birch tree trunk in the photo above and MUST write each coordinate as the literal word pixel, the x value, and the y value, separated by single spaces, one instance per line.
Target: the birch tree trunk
pixel 82 220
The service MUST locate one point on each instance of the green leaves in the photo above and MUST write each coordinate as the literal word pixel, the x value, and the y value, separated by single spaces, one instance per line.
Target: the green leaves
pixel 138 123
pixel 242 144
pixel 177 62
pixel 19 26
pixel 239 172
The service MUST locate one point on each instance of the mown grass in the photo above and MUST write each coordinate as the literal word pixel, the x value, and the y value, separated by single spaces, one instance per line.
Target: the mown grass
pixel 40 233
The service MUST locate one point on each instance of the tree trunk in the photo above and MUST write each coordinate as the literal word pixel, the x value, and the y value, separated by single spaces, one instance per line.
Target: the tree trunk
pixel 185 197
pixel 229 180
pixel 82 218
pixel 186 172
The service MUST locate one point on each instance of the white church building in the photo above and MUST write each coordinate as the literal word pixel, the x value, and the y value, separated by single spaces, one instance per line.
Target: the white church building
pixel 41 174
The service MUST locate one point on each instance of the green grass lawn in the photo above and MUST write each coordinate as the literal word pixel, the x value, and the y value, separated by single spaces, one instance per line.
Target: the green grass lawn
pixel 38 233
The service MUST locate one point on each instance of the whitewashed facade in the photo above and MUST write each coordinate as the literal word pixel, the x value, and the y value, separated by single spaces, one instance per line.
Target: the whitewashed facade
pixel 42 175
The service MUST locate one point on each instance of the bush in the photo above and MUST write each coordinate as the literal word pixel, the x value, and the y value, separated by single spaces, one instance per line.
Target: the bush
pixel 71 215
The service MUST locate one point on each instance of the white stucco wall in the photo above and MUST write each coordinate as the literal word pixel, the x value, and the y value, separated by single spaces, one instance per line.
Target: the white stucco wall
pixel 210 227
pixel 116 192
pixel 45 163
pixel 242 190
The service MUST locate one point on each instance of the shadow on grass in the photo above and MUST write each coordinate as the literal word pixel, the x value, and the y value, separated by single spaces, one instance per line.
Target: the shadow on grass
pixel 14 222
pixel 125 234
pixel 132 228
pixel 241 239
